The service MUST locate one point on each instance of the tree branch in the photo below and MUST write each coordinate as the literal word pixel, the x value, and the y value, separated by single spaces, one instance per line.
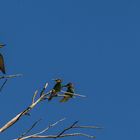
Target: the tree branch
pixel 74 94
pixel 60 135
pixel 66 129
pixel 3 84
pixel 25 112
pixel 50 126
pixel 10 76
pixel 25 133
pixel 6 77
pixel 55 136
pixel 33 99
pixel 41 132
pixel 43 96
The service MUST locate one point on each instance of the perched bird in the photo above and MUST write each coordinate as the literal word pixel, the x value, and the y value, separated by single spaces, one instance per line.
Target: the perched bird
pixel 2 67
pixel 57 88
pixel 69 93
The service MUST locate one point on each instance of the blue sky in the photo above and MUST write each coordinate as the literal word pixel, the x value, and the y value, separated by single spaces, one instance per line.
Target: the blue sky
pixel 94 44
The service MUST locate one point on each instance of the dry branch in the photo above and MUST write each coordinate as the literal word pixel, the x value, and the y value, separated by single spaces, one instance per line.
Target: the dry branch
pixel 55 136
pixel 33 99
pixel 43 96
pixel 24 134
pixel 26 111
pixel 10 76
pixel 61 134
pixel 74 94
pixel 66 129
pixel 3 84
pixel 6 77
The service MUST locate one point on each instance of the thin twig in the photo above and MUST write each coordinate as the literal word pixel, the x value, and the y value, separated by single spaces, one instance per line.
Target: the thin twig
pixel 41 132
pixel 92 127
pixel 55 136
pixel 33 99
pixel 60 135
pixel 44 88
pixel 50 126
pixel 3 84
pixel 74 94
pixel 7 77
pixel 25 133
pixel 66 129
pixel 17 117
pixel 10 76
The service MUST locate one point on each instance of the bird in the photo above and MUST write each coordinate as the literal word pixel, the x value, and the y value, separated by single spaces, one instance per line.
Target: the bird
pixel 57 88
pixel 69 93
pixel 2 67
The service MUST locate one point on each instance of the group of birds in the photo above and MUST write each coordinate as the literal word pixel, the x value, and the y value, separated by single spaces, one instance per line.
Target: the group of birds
pixel 58 88
pixel 2 67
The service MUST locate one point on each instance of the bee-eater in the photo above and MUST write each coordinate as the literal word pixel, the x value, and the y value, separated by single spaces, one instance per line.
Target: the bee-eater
pixel 69 93
pixel 57 88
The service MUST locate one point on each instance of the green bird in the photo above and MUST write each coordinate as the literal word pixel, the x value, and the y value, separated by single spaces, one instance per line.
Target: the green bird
pixel 2 67
pixel 57 88
pixel 69 93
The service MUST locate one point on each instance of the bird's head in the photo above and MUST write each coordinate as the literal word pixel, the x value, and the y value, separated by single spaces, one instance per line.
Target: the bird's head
pixel 69 85
pixel 58 80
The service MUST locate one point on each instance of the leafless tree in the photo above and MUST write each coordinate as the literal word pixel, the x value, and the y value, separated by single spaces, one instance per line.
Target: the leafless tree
pixel 36 99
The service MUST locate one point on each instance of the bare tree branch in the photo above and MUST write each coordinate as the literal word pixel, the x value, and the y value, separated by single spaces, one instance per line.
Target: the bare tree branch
pixel 6 77
pixel 50 126
pixel 92 127
pixel 33 99
pixel 24 134
pixel 74 94
pixel 55 136
pixel 43 96
pixel 25 112
pixel 43 131
pixel 3 84
pixel 43 90
pixel 66 129
pixel 10 76
pixel 61 95
pixel 60 135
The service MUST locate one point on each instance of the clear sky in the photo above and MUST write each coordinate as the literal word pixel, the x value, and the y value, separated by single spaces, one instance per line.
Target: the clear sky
pixel 94 44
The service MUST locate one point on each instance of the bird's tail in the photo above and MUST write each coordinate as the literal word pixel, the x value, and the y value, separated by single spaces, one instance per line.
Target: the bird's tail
pixel 64 99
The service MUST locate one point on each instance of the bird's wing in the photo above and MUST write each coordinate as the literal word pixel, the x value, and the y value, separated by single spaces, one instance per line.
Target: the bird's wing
pixel 65 99
pixel 2 68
